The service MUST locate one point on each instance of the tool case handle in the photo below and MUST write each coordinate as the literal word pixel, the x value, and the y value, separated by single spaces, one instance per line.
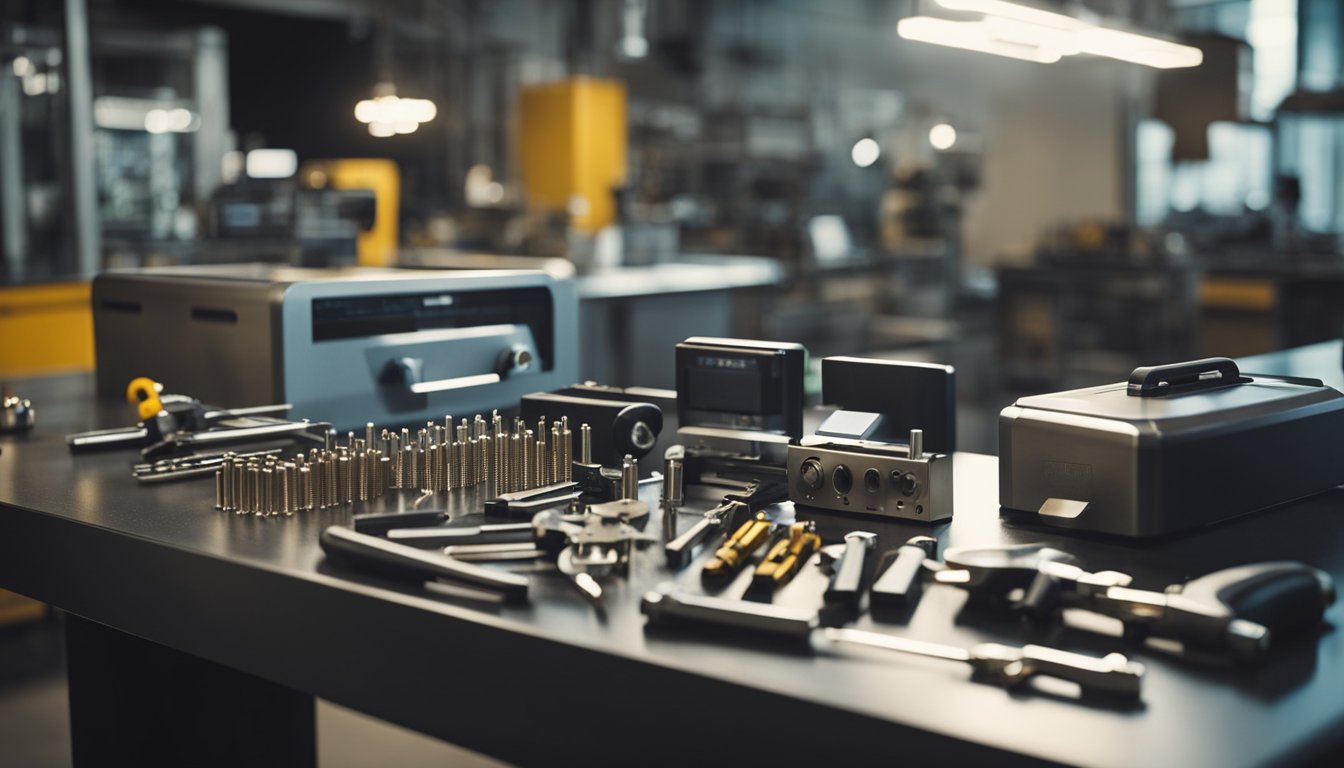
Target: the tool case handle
pixel 1156 380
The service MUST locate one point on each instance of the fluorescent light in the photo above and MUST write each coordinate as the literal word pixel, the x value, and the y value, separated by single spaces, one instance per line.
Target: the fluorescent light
pixel 1024 32
pixel 1016 12
pixel 389 114
pixel 1139 49
pixel 1064 42
pixel 969 36
pixel 942 136
pixel 865 152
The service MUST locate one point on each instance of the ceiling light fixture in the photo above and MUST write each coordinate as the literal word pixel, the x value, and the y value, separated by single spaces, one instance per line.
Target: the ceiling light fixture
pixel 387 114
pixel 1032 34
pixel 969 36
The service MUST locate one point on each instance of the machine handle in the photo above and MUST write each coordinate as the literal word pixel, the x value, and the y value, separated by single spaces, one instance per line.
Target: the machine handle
pixel 1155 380
pixel 457 382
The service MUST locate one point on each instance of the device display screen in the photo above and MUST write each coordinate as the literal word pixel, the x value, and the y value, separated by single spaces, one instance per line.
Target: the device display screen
pixel 352 317
pixel 729 385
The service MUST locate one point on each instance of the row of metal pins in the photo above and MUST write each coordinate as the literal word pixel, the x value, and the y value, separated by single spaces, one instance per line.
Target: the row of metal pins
pixel 436 458
pixel 330 476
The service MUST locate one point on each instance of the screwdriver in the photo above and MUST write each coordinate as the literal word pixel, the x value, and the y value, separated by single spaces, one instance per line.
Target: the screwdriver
pixel 1112 674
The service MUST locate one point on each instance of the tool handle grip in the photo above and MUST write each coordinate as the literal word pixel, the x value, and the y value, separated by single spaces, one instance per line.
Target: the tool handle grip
pixel 680 550
pixel 346 546
pixel 899 586
pixel 1286 598
pixel 444 536
pixel 847 581
pixel 382 522
pixel 668 607
pixel 1154 380
pixel 1113 674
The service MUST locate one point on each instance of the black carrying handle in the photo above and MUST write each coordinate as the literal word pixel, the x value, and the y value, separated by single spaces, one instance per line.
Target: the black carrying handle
pixel 1155 380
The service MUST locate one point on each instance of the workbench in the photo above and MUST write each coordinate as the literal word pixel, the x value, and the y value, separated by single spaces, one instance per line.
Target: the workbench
pixel 201 637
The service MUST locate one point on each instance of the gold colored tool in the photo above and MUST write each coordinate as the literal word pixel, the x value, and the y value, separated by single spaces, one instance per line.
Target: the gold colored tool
pixel 787 556
pixel 734 553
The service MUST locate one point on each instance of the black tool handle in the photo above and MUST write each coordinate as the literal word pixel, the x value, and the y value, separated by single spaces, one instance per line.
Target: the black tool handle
pixel 1154 380
pixel 761 494
pixel 382 522
pixel 357 550
pixel 1287 598
pixel 846 585
pixel 899 586
pixel 680 550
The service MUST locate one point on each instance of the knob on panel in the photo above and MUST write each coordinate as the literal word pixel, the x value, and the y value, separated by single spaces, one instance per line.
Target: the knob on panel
pixel 812 474
pixel 842 479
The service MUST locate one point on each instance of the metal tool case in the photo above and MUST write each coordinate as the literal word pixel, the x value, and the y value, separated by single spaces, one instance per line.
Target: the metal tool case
pixel 1178 446
pixel 346 346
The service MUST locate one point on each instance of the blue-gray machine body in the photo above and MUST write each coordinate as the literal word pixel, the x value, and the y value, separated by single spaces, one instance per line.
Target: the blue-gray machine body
pixel 351 346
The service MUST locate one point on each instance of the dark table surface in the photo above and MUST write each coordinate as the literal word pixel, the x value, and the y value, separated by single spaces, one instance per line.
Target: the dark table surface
pixel 558 679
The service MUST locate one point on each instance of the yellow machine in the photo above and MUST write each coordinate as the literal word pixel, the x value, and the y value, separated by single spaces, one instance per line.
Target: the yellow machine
pixel 572 146
pixel 378 246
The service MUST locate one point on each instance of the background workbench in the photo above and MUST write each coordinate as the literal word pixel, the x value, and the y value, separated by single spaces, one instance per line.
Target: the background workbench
pixel 192 629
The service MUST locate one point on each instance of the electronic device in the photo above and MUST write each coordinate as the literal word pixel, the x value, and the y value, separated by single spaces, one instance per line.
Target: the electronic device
pixel 740 390
pixel 346 346
pixel 869 456
pixel 1177 446
pixel 882 400
pixel 884 479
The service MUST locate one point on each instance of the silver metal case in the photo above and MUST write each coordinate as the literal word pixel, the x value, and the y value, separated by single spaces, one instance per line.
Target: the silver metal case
pixel 347 346
pixel 884 480
pixel 1100 459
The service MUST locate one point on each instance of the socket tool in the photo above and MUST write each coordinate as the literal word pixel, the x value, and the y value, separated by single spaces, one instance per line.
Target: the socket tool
pixel 358 550
pixel 1230 614
pixel 871 478
pixel 900 584
pixel 847 574
pixel 1111 675
pixel 735 509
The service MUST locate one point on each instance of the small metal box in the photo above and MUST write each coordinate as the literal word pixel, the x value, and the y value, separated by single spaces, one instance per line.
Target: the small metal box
pixel 348 346
pixel 1178 446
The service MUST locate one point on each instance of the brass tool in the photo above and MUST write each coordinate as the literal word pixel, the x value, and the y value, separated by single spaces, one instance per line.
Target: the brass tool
pixel 734 553
pixel 787 556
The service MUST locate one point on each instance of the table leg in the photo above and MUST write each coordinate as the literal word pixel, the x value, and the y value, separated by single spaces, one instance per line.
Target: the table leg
pixel 133 702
